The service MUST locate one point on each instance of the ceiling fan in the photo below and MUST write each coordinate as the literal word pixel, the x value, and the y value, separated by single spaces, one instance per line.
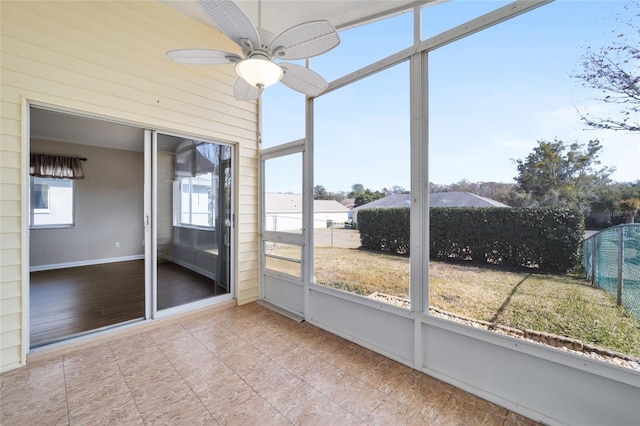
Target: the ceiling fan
pixel 257 67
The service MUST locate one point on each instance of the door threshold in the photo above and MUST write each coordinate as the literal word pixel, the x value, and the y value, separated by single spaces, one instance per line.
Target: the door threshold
pixel 122 330
pixel 83 334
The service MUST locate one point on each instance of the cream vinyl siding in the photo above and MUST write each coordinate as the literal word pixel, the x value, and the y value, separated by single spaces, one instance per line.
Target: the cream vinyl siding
pixel 108 59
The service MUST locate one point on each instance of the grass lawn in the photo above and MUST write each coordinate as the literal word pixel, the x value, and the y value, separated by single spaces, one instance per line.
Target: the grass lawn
pixel 557 304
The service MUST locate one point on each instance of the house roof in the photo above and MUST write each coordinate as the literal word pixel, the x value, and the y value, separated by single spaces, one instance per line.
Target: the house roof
pixel 278 202
pixel 436 199
pixel 461 199
pixel 395 200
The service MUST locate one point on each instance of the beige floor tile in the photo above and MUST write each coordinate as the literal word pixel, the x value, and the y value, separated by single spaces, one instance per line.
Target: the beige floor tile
pixel 40 379
pixel 97 394
pixel 219 395
pixel 168 334
pixel 91 371
pixel 392 412
pixel 309 407
pixel 513 419
pixel 150 370
pixel 155 396
pixel 285 397
pixel 202 369
pixel 245 365
pixel 118 409
pixel 357 364
pixel 478 403
pixel 324 378
pixel 134 350
pixel 355 396
pixel 254 410
pixel 253 333
pixel 27 410
pixel 459 412
pixel 297 360
pixel 421 390
pixel 265 376
pixel 242 358
pixel 275 347
pixel 180 414
pixel 384 377
pixel 217 341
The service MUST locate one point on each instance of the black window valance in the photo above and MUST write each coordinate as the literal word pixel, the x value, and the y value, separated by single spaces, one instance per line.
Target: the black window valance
pixel 56 166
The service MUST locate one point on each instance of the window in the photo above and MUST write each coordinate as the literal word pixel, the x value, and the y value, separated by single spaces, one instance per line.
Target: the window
pixel 198 172
pixel 196 201
pixel 519 95
pixel 52 202
pixel 362 160
pixel 41 196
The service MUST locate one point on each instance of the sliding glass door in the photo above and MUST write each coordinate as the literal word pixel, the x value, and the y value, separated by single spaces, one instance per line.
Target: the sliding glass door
pixel 193 220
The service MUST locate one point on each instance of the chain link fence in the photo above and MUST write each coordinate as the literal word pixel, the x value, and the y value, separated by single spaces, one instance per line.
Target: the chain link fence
pixel 611 259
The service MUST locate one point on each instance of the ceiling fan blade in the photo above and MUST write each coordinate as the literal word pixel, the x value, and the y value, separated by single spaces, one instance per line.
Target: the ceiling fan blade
pixel 203 56
pixel 243 91
pixel 305 40
pixel 231 20
pixel 302 79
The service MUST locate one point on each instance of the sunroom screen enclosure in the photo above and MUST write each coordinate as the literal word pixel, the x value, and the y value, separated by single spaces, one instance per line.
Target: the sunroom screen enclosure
pixel 517 374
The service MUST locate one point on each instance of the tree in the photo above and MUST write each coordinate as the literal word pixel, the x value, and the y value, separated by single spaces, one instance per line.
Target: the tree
pixel 397 189
pixel 320 193
pixel 559 175
pixel 614 70
pixel 367 196
pixel 630 207
pixel 356 189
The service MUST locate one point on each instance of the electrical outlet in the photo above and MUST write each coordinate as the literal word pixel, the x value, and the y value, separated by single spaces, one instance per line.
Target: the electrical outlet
pixel 117 244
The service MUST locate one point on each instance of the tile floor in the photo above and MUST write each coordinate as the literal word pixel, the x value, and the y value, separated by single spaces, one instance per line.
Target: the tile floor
pixel 244 365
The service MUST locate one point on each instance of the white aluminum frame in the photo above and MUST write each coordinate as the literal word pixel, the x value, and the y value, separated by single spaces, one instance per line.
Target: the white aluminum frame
pixel 543 383
pixel 149 220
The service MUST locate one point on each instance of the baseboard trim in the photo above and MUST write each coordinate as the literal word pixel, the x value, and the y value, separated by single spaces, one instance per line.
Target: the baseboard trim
pixel 284 312
pixel 191 267
pixel 85 263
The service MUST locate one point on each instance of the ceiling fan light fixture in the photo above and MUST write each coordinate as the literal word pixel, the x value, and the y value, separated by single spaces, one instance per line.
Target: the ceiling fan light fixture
pixel 259 71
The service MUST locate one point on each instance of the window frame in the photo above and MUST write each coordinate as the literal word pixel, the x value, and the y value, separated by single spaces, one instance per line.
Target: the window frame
pixel 178 204
pixel 33 211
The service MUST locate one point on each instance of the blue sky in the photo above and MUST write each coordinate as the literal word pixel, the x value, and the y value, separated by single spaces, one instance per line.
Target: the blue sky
pixel 492 96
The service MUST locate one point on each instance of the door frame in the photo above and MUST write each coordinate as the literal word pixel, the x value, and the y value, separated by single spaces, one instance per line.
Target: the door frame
pixel 282 290
pixel 148 220
pixel 153 248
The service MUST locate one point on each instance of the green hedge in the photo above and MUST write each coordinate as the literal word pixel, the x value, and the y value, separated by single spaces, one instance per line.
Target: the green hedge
pixel 548 239
pixel 385 229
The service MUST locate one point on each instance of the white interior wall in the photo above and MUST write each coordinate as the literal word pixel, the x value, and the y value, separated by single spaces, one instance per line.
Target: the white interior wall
pixel 108 209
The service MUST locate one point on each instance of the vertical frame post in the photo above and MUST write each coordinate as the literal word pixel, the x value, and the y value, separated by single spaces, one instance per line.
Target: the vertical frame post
pixel 620 262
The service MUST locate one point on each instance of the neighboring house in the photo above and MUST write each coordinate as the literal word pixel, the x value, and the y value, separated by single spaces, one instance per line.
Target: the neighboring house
pixel 461 199
pixel 348 202
pixel 283 212
pixel 436 199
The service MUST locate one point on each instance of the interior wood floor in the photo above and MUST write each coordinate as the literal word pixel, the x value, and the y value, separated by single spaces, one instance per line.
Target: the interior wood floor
pixel 72 301
pixel 178 286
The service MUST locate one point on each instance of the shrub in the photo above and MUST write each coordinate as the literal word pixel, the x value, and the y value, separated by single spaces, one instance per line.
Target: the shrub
pixel 548 239
pixel 385 229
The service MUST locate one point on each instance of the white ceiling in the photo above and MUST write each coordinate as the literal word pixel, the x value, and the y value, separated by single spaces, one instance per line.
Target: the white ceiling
pixel 63 127
pixel 278 15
